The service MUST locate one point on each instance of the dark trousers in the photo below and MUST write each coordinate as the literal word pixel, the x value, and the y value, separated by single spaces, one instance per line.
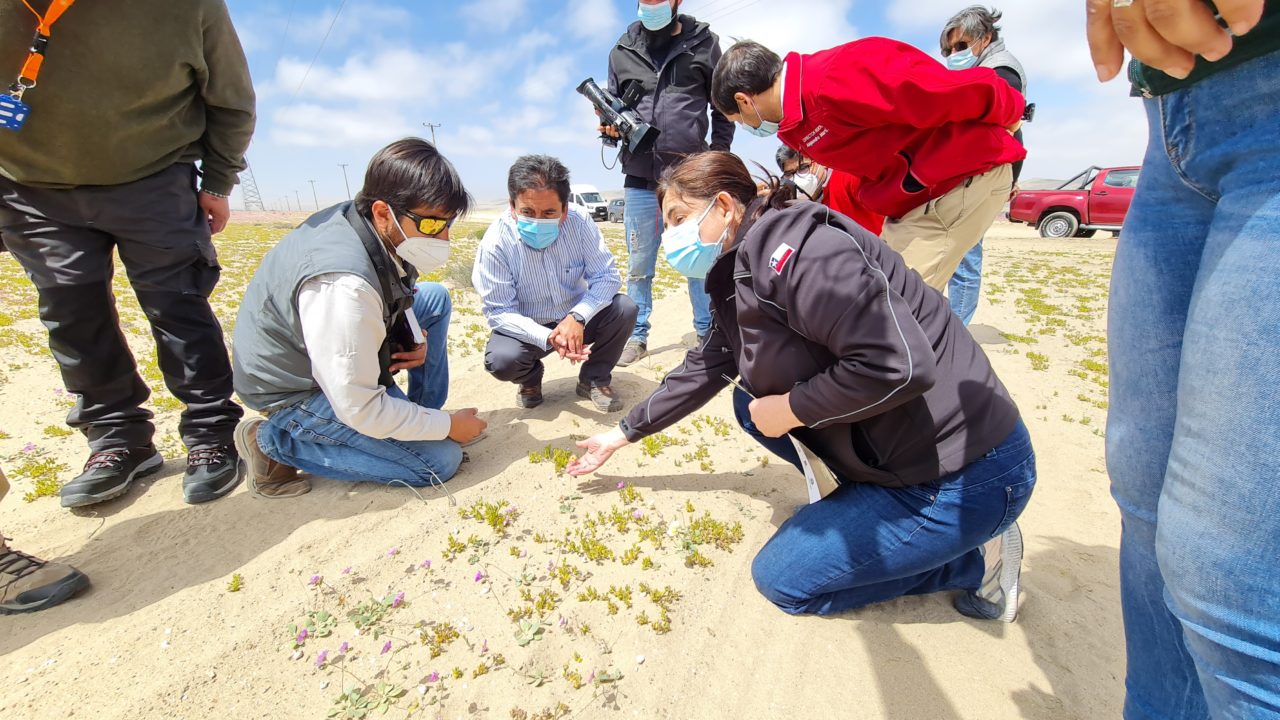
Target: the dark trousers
pixel 512 360
pixel 64 240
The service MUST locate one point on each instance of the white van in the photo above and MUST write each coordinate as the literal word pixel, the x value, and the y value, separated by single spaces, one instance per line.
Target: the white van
pixel 590 198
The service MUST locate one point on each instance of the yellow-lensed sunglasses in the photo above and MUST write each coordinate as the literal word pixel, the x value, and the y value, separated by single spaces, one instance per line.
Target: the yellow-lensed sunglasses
pixel 429 226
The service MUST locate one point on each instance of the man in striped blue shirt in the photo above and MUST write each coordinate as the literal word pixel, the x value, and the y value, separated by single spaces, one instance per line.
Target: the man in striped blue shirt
pixel 549 285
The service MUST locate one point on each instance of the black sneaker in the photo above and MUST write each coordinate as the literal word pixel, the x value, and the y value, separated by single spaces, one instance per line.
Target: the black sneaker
pixel 530 396
pixel 211 473
pixel 28 584
pixel 107 475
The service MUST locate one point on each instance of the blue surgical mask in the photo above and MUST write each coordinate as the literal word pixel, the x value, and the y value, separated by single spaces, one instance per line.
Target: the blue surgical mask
pixel 654 17
pixel 962 60
pixel 683 247
pixel 538 233
pixel 767 128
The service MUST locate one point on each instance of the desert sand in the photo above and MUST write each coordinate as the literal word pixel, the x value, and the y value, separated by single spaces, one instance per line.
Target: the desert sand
pixel 190 608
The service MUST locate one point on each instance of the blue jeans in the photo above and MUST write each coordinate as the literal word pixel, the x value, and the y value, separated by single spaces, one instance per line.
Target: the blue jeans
pixel 308 435
pixel 865 544
pixel 1194 427
pixel 642 220
pixel 966 285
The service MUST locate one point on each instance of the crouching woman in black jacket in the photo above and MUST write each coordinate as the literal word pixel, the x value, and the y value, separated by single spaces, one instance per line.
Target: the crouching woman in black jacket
pixel 839 345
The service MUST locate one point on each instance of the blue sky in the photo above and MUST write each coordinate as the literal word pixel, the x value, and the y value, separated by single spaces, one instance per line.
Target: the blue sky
pixel 499 78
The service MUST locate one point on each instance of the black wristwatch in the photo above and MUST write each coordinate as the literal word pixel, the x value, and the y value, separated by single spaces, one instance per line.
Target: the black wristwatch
pixel 579 318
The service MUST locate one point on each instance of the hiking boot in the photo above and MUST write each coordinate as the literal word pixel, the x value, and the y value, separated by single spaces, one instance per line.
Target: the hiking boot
pixel 634 351
pixel 267 478
pixel 997 597
pixel 28 584
pixel 601 396
pixel 211 473
pixel 108 473
pixel 530 396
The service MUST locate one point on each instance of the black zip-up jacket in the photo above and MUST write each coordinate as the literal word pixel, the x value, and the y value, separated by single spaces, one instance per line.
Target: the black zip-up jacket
pixel 676 95
pixel 891 387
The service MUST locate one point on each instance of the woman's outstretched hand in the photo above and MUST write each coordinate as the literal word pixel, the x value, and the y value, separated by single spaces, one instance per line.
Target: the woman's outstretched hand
pixel 598 450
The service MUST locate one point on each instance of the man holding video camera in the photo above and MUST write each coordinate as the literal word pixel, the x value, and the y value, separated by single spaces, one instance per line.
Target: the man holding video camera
pixel 670 57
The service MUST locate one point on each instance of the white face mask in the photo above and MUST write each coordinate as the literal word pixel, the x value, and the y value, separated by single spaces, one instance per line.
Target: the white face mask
pixel 424 253
pixel 809 183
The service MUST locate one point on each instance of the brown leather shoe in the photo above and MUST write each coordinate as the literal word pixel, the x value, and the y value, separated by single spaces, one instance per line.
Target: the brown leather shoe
pixel 530 396
pixel 601 396
pixel 28 584
pixel 267 478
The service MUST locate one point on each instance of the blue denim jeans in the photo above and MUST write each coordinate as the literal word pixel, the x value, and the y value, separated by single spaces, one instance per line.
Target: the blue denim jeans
pixel 642 220
pixel 308 435
pixel 865 544
pixel 966 285
pixel 1194 427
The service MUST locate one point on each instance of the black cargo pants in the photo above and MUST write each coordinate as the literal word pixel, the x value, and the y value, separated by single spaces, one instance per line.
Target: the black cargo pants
pixel 64 240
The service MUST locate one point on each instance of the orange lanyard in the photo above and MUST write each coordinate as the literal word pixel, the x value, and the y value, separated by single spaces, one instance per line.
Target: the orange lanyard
pixel 35 59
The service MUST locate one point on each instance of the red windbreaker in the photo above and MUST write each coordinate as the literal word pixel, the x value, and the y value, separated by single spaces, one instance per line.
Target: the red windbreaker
pixel 880 109
pixel 841 195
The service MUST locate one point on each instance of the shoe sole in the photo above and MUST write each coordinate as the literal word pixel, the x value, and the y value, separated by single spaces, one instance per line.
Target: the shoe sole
pixel 204 495
pixel 147 467
pixel 636 359
pixel 62 591
pixel 1011 571
pixel 614 405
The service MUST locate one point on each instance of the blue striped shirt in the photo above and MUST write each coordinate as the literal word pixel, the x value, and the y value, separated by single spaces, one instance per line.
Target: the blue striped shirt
pixel 523 289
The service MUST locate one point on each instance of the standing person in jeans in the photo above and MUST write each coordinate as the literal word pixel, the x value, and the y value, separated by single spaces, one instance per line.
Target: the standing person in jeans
pixel 844 348
pixel 332 313
pixel 932 148
pixel 130 97
pixel 27 583
pixel 1194 431
pixel 971 38
pixel 671 57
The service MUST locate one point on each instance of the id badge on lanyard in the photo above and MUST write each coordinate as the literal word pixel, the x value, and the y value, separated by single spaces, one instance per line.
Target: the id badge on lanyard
pixel 13 111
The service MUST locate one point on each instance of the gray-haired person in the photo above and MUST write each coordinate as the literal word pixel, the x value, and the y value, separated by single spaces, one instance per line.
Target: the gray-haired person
pixel 549 285
pixel 971 38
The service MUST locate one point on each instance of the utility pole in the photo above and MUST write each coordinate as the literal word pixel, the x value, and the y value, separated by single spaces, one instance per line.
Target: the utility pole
pixel 433 127
pixel 298 196
pixel 287 206
pixel 313 193
pixel 344 179
pixel 249 189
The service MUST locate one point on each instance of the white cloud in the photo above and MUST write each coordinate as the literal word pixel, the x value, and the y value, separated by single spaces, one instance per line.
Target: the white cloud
pixel 548 79
pixel 596 20
pixel 1104 127
pixel 493 15
pixel 802 27
pixel 318 126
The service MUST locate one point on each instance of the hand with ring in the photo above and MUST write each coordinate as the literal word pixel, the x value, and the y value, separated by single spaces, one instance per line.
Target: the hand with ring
pixel 1164 34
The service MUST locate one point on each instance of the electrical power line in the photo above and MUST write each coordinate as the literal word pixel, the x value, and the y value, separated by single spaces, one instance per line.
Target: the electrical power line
pixel 315 57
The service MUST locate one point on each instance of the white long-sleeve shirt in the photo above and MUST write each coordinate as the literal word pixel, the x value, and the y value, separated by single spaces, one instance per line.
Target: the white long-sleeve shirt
pixel 341 318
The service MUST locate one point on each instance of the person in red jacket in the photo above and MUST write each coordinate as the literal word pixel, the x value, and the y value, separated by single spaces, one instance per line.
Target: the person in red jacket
pixel 932 148
pixel 833 188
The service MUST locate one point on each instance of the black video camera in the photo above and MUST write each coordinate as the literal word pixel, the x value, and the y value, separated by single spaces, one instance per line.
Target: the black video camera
pixel 1030 113
pixel 638 136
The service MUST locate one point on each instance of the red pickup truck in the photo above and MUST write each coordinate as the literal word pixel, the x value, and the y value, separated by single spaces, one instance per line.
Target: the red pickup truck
pixel 1096 199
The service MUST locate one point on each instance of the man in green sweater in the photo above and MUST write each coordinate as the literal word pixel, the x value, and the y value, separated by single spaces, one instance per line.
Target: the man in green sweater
pixel 118 103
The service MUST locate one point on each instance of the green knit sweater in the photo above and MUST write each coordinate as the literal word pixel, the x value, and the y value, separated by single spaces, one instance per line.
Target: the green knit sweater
pixel 128 89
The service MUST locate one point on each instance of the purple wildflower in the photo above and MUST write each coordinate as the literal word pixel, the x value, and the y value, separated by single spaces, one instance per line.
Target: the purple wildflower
pixel 524 553
pixel 592 678
pixel 433 677
pixel 386 648
pixel 484 648
pixel 302 636
pixel 637 514
pixel 321 658
pixel 393 552
pixel 426 565
pixel 315 580
pixel 563 621
pixel 29 447
pixel 479 575
pixel 344 647
pixel 398 601
pixel 622 484
pixel 346 570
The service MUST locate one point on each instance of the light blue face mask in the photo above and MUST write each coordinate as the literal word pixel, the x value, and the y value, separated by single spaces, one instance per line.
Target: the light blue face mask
pixel 683 247
pixel 767 128
pixel 538 233
pixel 654 17
pixel 962 60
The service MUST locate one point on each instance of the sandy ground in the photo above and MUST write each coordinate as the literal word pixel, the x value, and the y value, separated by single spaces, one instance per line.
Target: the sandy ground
pixel 163 634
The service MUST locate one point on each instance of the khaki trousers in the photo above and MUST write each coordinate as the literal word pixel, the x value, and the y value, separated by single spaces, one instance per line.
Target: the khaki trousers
pixel 934 237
